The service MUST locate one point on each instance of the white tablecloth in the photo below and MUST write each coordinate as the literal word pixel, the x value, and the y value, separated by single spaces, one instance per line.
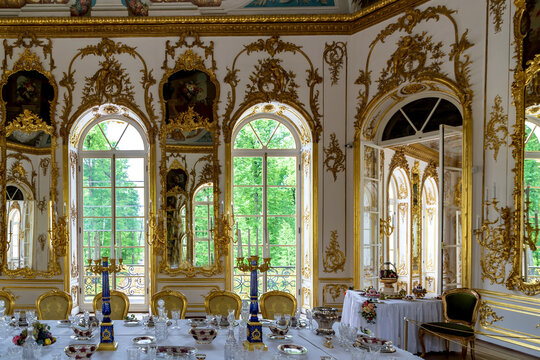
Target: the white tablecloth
pixel 390 324
pixel 214 351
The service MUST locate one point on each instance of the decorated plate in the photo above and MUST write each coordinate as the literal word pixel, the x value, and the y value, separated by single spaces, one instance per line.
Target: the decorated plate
pixel 373 343
pixel 279 337
pixel 292 349
pixel 82 338
pixel 143 340
pixel 183 350
pixel 63 323
pixel 131 323
pixel 151 323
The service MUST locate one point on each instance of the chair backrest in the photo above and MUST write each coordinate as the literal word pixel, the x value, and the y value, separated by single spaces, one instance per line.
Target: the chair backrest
pixel 280 302
pixel 54 305
pixel 174 300
pixel 461 305
pixel 219 302
pixel 119 304
pixel 9 301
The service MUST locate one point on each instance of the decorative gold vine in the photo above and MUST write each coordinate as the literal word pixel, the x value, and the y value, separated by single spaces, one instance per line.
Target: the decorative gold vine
pixel 334 55
pixel 334 259
pixel 306 269
pixel 335 291
pixel 485 313
pixel 496 10
pixel 415 58
pixel 496 124
pixel 109 83
pixel 270 81
pixel 334 157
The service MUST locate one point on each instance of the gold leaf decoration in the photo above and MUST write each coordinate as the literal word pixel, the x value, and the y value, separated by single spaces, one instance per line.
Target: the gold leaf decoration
pixel 496 10
pixel 271 81
pixel 334 157
pixel 334 259
pixel 485 313
pixel 496 124
pixel 306 269
pixel 306 162
pixel 334 56
pixel 337 290
pixel 74 266
pixel 28 122
pixel 109 83
pixel 73 160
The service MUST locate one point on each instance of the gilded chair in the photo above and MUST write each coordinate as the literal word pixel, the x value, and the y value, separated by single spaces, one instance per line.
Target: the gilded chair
pixel 9 301
pixel 119 304
pixel 174 300
pixel 460 308
pixel 219 302
pixel 277 302
pixel 54 305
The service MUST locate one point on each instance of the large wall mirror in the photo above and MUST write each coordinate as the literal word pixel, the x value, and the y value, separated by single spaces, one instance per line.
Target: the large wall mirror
pixel 189 173
pixel 31 239
pixel 526 91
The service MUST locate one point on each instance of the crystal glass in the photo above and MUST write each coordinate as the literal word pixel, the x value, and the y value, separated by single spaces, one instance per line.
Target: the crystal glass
pixel 297 317
pixel 99 316
pixel 152 352
pixel 358 354
pixel 231 317
pixel 17 316
pixel 15 353
pixel 218 320
pixel 175 316
pixel 160 330
pixel 245 316
pixel 31 317
pixel 133 353
pixel 146 318
pixel 309 316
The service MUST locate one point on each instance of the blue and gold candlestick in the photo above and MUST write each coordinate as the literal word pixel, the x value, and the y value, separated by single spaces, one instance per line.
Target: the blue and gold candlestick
pixel 254 326
pixel 107 342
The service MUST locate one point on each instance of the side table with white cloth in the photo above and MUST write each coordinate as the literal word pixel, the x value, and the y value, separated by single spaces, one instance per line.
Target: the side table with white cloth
pixel 389 324
pixel 213 351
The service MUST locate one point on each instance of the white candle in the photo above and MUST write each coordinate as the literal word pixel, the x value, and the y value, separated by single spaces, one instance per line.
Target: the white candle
pixel 95 247
pixel 265 248
pixel 222 207
pixel 257 241
pixel 494 190
pixel 477 222
pixel 249 243
pixel 120 245
pixel 240 251
pixel 113 256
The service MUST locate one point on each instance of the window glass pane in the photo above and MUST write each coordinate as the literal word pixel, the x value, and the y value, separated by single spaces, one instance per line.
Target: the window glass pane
pixel 248 200
pixel 131 140
pixel 96 172
pixel 205 194
pixel 247 170
pixel 113 130
pixel 282 230
pixel 97 202
pixel 282 139
pixel 281 170
pixel 253 224
pixel 246 139
pixel 264 128
pixel 281 200
pixel 95 140
pixel 130 232
pixel 130 172
pixel 130 202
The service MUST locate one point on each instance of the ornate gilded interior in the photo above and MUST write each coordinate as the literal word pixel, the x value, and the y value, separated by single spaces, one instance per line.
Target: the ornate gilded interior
pixel 33 234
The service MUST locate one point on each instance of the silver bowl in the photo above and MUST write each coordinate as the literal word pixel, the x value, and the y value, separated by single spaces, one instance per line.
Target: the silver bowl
pixel 325 318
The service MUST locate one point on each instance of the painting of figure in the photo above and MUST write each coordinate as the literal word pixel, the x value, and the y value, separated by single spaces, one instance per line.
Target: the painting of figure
pixel 176 181
pixel 531 26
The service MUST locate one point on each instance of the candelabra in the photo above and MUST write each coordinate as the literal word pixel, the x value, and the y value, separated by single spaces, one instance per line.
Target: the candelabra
pixel 107 342
pixel 254 326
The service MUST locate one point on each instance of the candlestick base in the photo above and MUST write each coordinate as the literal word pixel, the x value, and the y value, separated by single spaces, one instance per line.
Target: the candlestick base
pixel 251 346
pixel 107 342
pixel 108 346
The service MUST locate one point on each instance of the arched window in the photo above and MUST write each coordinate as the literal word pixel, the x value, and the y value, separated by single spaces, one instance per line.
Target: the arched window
pixel 20 211
pixel 112 184
pixel 266 158
pixel 531 177
pixel 203 214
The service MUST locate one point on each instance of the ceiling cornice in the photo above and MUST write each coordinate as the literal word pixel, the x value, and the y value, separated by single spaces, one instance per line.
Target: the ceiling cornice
pixel 239 25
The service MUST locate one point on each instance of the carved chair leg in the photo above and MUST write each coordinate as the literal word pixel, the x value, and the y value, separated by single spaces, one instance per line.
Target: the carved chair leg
pixel 464 344
pixel 421 339
pixel 472 349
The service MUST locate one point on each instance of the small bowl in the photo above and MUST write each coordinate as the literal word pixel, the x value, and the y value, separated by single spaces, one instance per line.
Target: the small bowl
pixel 203 335
pixel 198 322
pixel 278 330
pixel 82 333
pixel 80 351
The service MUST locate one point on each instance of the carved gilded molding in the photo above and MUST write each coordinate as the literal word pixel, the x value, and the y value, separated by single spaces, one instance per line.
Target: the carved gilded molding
pixel 270 81
pixel 334 157
pixel 496 125
pixel 486 315
pixel 496 11
pixel 306 297
pixel 109 83
pixel 334 259
pixel 268 25
pixel 430 172
pixel 334 55
pixel 306 162
pixel 415 59
pixel 399 161
pixel 336 292
pixel 306 268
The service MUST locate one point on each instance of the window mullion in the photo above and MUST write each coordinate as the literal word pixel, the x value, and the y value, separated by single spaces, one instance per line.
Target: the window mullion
pixel 265 212
pixel 113 213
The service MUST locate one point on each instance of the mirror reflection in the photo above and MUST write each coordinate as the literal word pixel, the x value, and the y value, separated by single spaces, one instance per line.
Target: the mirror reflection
pixel 178 251
pixel 20 213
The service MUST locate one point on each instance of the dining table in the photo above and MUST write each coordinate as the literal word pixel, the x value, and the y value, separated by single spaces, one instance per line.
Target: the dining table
pixel 390 324
pixel 180 336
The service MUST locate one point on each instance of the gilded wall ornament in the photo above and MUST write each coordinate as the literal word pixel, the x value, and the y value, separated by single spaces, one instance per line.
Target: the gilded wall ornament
pixel 334 259
pixel 307 217
pixel 496 131
pixel 73 213
pixel 306 162
pixel 334 157
pixel 336 293
pixel 74 291
pixel 44 165
pixel 73 162
pixel 270 81
pixel 306 269
pixel 402 211
pixel 74 266
pixel 457 193
pixel 334 55
pixel 306 296
pixel 399 161
pixel 109 84
pixel 487 316
pixel 496 11
pixel 402 191
pixel 28 40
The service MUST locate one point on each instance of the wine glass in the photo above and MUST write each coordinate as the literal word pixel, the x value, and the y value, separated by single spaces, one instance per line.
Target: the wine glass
pixel 309 316
pixel 297 317
pixel 231 317
pixel 99 316
pixel 176 316
pixel 218 320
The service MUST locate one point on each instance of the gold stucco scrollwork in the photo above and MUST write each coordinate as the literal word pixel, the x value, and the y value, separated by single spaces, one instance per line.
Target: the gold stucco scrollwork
pixel 496 10
pixel 495 126
pixel 336 292
pixel 487 316
pixel 334 259
pixel 306 269
pixel 334 55
pixel 334 157
pixel 270 81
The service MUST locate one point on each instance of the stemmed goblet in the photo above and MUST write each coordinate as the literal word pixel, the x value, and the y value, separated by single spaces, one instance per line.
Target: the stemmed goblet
pixel 175 316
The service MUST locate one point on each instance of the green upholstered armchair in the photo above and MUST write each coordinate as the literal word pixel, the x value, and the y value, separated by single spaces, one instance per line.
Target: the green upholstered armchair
pixel 460 307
